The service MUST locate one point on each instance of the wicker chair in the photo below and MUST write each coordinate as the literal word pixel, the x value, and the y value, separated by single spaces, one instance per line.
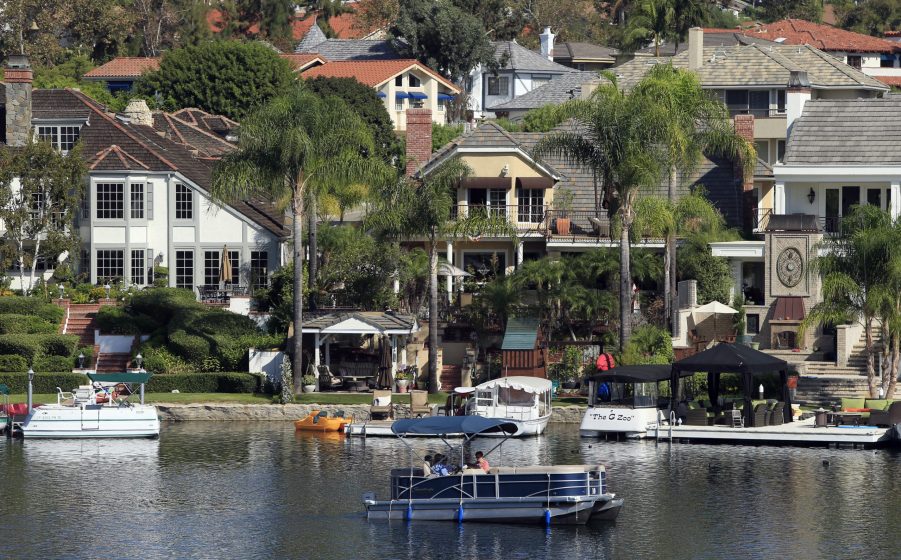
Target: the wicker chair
pixel 386 410
pixel 888 417
pixel 776 414
pixel 419 404
pixel 760 414
pixel 697 417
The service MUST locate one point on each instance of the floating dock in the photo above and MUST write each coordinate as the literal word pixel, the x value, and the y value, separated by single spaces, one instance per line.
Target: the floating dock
pixel 379 428
pixel 798 433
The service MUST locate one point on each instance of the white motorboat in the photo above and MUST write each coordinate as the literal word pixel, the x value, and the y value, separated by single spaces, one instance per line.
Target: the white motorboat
pixel 526 401
pixel 101 410
pixel 623 402
pixel 561 494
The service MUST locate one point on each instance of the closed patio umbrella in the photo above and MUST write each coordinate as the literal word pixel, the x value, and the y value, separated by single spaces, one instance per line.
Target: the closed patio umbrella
pixel 386 378
pixel 447 269
pixel 225 267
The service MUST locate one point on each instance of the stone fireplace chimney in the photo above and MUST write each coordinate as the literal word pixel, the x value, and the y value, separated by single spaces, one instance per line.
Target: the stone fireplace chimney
pixel 137 112
pixel 547 43
pixel 796 96
pixel 744 127
pixel 17 76
pixel 695 48
pixel 419 138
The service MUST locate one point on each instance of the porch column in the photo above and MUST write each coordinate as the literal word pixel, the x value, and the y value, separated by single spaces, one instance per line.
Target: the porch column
pixel 395 283
pixel 393 354
pixel 328 353
pixel 403 350
pixel 895 208
pixel 450 279
pixel 519 255
pixel 315 352
pixel 736 282
pixel 779 198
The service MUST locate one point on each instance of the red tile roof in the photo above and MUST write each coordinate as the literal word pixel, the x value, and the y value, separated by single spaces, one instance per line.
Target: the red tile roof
pixel 823 37
pixel 124 67
pixel 345 25
pixel 894 81
pixel 372 72
pixel 302 61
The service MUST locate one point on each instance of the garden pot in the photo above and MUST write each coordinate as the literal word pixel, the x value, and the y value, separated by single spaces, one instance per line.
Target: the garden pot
pixel 755 345
pixel 402 385
pixel 746 339
pixel 562 226
pixel 309 388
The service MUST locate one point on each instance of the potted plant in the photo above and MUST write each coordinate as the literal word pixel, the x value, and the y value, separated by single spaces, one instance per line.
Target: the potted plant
pixel 563 204
pixel 570 367
pixel 309 383
pixel 739 321
pixel 402 379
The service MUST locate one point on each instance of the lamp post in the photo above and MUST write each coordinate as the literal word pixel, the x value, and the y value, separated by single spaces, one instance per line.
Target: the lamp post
pixel 107 287
pixel 81 360
pixel 139 361
pixel 30 390
pixel 62 291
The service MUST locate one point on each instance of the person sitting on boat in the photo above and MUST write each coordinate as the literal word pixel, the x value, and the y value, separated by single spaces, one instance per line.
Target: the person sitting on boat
pixel 482 462
pixel 438 466
pixel 427 465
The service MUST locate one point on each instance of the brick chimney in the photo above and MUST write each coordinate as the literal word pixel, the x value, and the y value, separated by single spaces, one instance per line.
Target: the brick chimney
pixel 695 48
pixel 419 138
pixel 744 127
pixel 17 77
pixel 547 43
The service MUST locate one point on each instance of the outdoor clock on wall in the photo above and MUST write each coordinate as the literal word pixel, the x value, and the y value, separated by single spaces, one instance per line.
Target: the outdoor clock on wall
pixel 790 267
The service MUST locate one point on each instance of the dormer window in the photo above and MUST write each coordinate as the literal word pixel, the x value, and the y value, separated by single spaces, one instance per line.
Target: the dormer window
pixel 414 81
pixel 61 137
pixel 399 80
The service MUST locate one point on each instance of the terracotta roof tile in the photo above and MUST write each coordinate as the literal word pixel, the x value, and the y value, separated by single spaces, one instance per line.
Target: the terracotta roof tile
pixel 824 37
pixel 890 80
pixel 372 72
pixel 345 26
pixel 124 67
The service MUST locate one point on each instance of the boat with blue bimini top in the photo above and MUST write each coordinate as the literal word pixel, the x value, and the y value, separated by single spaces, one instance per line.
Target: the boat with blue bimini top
pixel 99 410
pixel 562 494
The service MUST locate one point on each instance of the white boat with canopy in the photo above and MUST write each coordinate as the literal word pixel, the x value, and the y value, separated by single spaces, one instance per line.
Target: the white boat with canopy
pixel 100 410
pixel 526 401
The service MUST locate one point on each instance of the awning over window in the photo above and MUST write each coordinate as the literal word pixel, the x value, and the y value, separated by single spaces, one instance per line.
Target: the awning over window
pixel 534 182
pixel 789 309
pixel 400 95
pixel 417 95
pixel 445 97
pixel 381 94
pixel 486 183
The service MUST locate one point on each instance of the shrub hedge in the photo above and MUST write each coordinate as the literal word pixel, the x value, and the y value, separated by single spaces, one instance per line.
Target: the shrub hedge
pixel 43 382
pixel 53 363
pixel 18 305
pixel 13 363
pixel 218 382
pixel 116 320
pixel 14 323
pixel 34 345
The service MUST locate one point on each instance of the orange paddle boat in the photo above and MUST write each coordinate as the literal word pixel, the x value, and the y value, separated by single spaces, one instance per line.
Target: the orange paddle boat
pixel 320 421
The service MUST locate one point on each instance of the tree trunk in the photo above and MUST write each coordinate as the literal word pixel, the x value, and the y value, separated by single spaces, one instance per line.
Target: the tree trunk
pixel 670 258
pixel 434 380
pixel 893 370
pixel 625 286
pixel 313 247
pixel 871 366
pixel 297 358
pixel 667 285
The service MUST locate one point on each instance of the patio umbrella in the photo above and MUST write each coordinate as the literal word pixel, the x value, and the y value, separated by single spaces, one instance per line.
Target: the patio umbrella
pixel 447 269
pixel 386 378
pixel 715 309
pixel 225 267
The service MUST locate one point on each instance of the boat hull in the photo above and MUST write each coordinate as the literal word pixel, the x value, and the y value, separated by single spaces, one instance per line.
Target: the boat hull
pixel 312 424
pixel 91 421
pixel 621 422
pixel 522 511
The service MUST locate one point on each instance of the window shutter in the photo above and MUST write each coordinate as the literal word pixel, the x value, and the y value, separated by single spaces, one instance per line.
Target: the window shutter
pixel 86 205
pixel 148 211
pixel 149 256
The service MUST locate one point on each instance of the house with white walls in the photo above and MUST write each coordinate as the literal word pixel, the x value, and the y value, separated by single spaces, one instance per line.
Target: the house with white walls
pixel 147 200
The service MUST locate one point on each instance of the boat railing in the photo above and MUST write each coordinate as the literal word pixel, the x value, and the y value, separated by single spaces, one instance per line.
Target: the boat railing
pixel 64 398
pixel 407 484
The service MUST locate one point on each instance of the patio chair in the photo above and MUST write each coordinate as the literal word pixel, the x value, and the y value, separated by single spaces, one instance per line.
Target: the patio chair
pixel 327 380
pixel 888 417
pixel 776 416
pixel 419 404
pixel 381 404
pixel 696 417
pixel 761 411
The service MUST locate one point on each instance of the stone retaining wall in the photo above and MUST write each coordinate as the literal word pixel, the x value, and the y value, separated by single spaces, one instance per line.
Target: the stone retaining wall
pixel 290 412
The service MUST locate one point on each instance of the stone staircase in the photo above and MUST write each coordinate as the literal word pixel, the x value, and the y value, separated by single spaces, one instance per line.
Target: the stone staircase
pixel 81 321
pixel 449 377
pixel 825 390
pixel 113 362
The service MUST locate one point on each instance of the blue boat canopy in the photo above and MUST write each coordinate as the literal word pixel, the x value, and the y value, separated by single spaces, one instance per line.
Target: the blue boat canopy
pixel 443 425
pixel 445 97
pixel 401 95
pixel 417 95
pixel 125 377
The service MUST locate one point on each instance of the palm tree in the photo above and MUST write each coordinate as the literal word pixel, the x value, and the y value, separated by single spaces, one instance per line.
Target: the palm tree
pixel 615 138
pixel 293 143
pixel 407 210
pixel 651 20
pixel 691 123
pixel 688 14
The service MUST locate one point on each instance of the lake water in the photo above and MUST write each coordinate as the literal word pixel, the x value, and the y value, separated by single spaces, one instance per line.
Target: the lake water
pixel 260 490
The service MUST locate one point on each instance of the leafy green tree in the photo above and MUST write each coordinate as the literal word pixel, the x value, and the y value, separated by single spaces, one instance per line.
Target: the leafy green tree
pixel 696 262
pixel 773 10
pixel 651 20
pixel 442 134
pixel 363 100
pixel 616 137
pixel 290 148
pixel 357 267
pixel 40 207
pixel 443 36
pixel 688 14
pixel 874 17
pixel 68 75
pixel 223 77
pixel 649 345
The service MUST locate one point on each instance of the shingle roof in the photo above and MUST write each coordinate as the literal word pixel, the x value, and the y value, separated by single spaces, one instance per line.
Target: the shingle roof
pixel 584 51
pixel 345 26
pixel 559 90
pixel 204 142
pixel 824 37
pixel 301 61
pixel 112 144
pixel 513 56
pixel 847 132
pixel 372 72
pixel 219 125
pixel 315 41
pixel 124 67
pixel 387 320
pixel 762 170
pixel 755 65
pixel 311 39
pixel 712 38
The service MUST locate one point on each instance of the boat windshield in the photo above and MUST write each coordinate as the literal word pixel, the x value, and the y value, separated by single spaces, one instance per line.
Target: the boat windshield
pixel 635 395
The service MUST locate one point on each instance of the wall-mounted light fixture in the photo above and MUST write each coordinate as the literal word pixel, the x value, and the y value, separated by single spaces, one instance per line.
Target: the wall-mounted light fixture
pixel 812 195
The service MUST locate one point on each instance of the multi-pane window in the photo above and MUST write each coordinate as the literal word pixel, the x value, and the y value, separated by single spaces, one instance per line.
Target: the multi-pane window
pixel 780 101
pixel 62 138
pixel 110 264
pixel 184 269
pixel 399 80
pixel 138 274
pixel 399 103
pixel 110 201
pixel 498 85
pixel 539 80
pixel 37 205
pixel 748 102
pixel 184 202
pixel 137 201
pixel 210 268
pixel 887 61
pixel 854 61
pixel 497 202
pixel 531 205
pixel 84 265
pixel 259 269
pixel 233 256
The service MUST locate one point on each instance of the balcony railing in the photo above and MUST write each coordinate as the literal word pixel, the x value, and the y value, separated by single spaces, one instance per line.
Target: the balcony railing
pixel 579 223
pixel 828 225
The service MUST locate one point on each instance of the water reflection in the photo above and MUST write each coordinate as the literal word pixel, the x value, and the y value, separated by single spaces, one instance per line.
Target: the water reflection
pixel 247 490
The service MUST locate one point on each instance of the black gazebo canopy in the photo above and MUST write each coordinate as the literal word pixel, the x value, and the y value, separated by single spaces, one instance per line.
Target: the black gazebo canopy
pixel 740 359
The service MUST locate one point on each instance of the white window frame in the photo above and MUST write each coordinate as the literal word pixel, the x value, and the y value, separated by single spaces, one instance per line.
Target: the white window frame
pixel 110 204
pixel 187 212
pixel 497 81
pixel 53 133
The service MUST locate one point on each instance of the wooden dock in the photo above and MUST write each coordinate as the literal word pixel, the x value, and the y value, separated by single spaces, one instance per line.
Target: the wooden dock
pixel 798 433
